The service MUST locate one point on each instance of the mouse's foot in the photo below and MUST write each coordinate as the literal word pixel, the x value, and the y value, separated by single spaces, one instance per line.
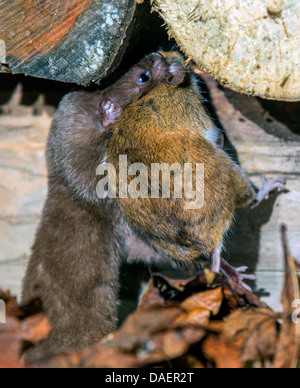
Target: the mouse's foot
pixel 269 185
pixel 237 275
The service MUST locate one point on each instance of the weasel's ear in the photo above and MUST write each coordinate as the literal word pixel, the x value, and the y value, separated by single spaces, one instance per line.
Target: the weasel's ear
pixel 111 111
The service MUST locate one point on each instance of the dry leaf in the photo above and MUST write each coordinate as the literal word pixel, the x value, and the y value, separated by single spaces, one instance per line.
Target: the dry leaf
pixel 12 334
pixel 210 300
pixel 152 296
pixel 252 331
pixel 188 362
pixel 198 317
pixel 287 354
pixel 176 343
pixel 12 308
pixel 35 329
pixel 205 321
pixel 222 354
pixel 10 344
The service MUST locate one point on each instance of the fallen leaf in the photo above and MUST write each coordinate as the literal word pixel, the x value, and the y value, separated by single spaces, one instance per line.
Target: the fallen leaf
pixel 151 297
pixel 140 327
pixel 237 296
pixel 12 308
pixel 10 345
pixel 287 353
pixel 205 321
pixel 35 329
pixel 198 317
pixel 210 300
pixel 254 332
pixel 176 343
pixel 188 362
pixel 169 289
pixel 217 350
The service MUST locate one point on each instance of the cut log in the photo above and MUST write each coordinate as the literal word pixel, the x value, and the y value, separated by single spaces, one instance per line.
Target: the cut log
pixel 250 46
pixel 74 41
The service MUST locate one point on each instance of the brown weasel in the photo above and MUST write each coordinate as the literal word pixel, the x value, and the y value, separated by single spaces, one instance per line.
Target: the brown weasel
pixel 74 267
pixel 170 126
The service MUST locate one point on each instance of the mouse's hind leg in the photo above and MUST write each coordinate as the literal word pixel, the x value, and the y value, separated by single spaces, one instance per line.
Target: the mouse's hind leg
pixel 215 264
pixel 219 265
pixel 237 274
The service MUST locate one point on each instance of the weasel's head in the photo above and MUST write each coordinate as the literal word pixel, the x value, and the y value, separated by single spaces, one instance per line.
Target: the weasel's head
pixel 152 70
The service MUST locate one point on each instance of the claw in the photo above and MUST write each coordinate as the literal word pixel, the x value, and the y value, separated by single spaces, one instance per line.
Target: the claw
pixel 246 287
pixel 241 269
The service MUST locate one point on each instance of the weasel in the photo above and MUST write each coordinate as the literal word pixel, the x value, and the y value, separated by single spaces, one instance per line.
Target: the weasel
pixel 74 266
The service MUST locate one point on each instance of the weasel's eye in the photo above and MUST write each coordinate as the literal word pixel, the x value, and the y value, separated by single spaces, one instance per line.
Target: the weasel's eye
pixel 144 78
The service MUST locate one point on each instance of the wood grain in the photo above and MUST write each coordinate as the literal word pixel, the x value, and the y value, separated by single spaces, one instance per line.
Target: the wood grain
pixel 250 46
pixel 23 189
pixel 37 26
pixel 66 40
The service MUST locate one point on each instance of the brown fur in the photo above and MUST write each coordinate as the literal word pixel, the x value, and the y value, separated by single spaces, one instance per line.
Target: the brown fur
pixel 81 239
pixel 170 125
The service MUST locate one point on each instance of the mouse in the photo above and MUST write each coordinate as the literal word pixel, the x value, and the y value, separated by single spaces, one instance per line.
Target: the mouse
pixel 182 190
pixel 81 240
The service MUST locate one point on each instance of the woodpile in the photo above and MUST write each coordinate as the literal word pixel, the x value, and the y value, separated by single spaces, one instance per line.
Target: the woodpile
pixel 65 40
pixel 252 46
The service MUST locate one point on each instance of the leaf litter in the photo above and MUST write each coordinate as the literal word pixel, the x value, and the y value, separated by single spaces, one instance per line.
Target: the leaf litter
pixel 203 322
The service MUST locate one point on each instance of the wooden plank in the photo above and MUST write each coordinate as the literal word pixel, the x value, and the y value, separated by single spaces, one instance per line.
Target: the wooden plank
pixel 269 287
pixel 23 189
pixel 12 273
pixel 74 41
